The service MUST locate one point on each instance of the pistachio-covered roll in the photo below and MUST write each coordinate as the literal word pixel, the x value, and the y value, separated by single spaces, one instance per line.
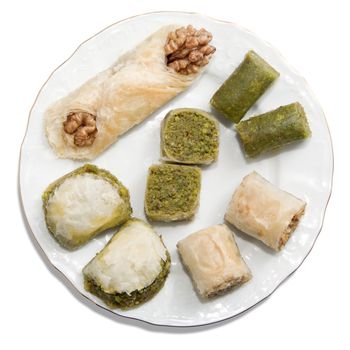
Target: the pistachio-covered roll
pixel 172 192
pixel 130 269
pixel 262 210
pixel 274 129
pixel 244 87
pixel 84 203
pixel 189 136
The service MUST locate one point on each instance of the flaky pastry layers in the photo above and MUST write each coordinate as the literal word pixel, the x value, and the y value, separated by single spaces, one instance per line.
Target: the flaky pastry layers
pixel 213 260
pixel 84 123
pixel 264 211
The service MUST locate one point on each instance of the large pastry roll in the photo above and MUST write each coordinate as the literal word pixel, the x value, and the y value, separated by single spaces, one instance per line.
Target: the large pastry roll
pixel 88 120
pixel 264 211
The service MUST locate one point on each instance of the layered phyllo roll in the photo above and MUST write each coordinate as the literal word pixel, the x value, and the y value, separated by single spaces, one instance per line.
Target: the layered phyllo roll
pixel 84 203
pixel 130 269
pixel 172 192
pixel 89 119
pixel 262 210
pixel 213 260
pixel 189 136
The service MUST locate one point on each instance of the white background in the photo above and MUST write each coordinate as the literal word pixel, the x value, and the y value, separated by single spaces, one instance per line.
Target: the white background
pixel 38 310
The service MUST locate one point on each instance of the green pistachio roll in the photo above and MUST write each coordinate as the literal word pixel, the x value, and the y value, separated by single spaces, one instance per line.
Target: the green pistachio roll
pixel 274 129
pixel 83 203
pixel 172 192
pixel 189 136
pixel 131 268
pixel 244 87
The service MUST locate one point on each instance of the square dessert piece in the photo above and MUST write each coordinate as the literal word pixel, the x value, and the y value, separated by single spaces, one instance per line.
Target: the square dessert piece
pixel 213 260
pixel 262 210
pixel 172 192
pixel 189 136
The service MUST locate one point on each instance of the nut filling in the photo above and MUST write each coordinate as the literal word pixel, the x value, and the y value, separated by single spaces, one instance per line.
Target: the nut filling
pixel 290 229
pixel 83 126
pixel 188 49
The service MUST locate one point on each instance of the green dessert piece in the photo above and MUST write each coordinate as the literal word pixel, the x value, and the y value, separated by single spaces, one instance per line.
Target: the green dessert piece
pixel 243 87
pixel 189 136
pixel 130 269
pixel 274 129
pixel 83 203
pixel 172 192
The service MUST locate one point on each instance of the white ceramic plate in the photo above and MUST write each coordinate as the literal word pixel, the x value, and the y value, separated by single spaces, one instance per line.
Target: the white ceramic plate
pixel 304 169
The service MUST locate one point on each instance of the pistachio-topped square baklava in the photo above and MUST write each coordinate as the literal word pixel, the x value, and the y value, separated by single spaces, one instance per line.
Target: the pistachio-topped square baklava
pixel 172 192
pixel 189 136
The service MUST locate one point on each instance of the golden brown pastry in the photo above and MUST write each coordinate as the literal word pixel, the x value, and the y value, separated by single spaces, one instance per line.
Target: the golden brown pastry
pixel 91 118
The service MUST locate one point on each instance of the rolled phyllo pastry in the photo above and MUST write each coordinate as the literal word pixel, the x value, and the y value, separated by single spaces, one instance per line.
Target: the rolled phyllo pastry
pixel 213 260
pixel 85 122
pixel 244 87
pixel 274 129
pixel 130 269
pixel 264 211
pixel 189 136
pixel 84 203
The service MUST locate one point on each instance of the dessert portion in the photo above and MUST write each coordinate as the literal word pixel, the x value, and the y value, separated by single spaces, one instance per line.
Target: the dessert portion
pixel 84 123
pixel 189 136
pixel 84 203
pixel 244 87
pixel 274 129
pixel 135 263
pixel 213 260
pixel 264 211
pixel 172 192
pixel 130 269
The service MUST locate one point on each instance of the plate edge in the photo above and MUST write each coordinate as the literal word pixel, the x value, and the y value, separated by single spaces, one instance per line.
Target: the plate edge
pixel 65 278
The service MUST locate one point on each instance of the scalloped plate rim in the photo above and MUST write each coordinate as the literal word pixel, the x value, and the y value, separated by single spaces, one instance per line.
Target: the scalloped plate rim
pixel 64 277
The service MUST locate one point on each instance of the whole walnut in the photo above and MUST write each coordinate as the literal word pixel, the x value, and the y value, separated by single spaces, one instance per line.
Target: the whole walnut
pixel 187 49
pixel 83 126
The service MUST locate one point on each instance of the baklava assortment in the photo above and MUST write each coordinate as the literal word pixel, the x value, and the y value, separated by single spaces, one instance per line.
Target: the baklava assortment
pixel 134 264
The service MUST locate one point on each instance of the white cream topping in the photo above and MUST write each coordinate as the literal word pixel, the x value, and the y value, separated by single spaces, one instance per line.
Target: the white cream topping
pixel 82 204
pixel 131 261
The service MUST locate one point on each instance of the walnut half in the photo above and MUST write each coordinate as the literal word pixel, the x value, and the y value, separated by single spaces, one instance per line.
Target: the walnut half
pixel 187 49
pixel 83 126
